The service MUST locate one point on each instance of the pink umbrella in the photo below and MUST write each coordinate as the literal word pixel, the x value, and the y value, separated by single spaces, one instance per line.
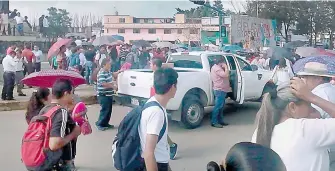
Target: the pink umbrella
pixel 47 78
pixel 310 51
pixel 56 46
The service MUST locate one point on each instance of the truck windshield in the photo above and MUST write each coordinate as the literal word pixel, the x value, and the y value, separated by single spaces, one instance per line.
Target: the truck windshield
pixel 186 61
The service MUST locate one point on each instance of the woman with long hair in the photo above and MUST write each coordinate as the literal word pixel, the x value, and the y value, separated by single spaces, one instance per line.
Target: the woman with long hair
pixel 38 100
pixel 282 73
pixel 247 156
pixel 283 126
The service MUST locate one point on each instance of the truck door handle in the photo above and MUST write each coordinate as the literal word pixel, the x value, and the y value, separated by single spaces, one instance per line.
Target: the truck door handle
pixel 133 84
pixel 133 77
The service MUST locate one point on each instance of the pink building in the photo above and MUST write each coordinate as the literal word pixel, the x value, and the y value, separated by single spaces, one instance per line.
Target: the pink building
pixel 174 29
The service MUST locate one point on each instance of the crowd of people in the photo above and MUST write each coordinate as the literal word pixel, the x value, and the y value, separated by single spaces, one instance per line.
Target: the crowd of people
pixel 18 62
pixel 288 135
pixel 5 22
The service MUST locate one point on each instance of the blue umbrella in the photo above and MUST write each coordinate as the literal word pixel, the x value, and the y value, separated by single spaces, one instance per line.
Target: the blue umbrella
pixel 232 48
pixel 118 37
pixel 327 60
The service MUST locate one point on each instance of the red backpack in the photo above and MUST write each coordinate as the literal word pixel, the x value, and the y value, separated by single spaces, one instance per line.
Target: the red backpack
pixel 35 140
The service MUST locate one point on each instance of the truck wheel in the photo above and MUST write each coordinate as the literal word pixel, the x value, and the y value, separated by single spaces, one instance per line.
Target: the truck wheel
pixel 192 113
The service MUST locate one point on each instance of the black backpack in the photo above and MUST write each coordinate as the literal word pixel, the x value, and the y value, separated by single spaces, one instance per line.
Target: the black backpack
pixel 126 150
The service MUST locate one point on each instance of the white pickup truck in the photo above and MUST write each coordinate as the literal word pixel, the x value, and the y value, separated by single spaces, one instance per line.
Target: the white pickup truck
pixel 194 96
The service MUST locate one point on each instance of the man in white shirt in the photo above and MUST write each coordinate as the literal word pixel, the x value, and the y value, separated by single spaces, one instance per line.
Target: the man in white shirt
pixel 19 72
pixel 45 25
pixel 9 68
pixel 4 22
pixel 19 23
pixel 154 144
pixel 37 60
pixel 318 80
pixel 102 54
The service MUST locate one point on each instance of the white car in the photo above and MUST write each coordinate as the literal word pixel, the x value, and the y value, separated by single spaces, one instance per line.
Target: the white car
pixel 194 96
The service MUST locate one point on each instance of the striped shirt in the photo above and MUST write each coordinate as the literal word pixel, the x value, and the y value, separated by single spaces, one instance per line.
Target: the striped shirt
pixel 104 77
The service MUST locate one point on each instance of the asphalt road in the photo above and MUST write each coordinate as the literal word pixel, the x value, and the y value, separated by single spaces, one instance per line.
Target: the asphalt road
pixel 196 147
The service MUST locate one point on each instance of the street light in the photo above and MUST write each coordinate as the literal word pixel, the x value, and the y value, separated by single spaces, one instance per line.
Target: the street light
pixel 222 29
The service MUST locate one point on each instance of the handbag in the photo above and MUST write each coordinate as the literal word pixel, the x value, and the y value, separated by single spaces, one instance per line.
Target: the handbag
pixel 82 121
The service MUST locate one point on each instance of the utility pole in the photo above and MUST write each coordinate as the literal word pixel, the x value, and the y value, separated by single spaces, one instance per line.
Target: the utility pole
pixel 257 9
pixel 221 14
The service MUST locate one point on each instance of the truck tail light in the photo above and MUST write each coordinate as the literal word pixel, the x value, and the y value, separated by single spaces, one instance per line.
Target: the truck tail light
pixel 152 91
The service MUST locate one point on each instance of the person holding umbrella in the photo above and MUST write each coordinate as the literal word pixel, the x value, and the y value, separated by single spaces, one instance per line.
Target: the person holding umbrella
pixel 61 58
pixel 317 79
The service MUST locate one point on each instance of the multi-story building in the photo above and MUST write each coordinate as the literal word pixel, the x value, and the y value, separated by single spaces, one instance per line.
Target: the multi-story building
pixel 179 28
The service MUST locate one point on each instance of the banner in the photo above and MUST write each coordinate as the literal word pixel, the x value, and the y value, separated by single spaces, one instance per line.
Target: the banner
pixel 253 32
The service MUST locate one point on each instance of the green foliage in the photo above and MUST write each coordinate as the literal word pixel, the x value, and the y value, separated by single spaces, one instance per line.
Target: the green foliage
pixel 202 11
pixel 59 22
pixel 309 17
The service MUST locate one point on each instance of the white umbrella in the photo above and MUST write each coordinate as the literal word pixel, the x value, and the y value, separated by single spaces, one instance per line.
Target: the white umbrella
pixel 162 44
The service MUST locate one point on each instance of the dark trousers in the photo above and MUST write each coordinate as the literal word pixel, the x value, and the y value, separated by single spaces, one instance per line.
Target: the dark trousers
pixel 8 87
pixel 160 166
pixel 106 103
pixel 37 66
pixel 220 99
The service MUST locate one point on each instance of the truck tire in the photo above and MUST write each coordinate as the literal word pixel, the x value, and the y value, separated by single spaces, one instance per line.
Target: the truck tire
pixel 192 112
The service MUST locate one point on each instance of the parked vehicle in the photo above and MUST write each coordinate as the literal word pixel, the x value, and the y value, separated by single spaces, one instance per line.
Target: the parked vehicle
pixel 194 96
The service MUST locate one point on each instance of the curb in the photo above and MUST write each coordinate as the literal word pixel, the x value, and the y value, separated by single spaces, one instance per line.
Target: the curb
pixel 22 105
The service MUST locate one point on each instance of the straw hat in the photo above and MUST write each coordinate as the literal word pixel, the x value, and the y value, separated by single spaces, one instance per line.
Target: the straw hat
pixel 315 69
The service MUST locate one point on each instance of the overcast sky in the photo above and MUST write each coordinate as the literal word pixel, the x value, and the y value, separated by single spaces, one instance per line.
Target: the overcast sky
pixel 154 8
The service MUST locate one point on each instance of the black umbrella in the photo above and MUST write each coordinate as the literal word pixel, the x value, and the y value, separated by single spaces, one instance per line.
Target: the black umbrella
pixel 294 44
pixel 279 52
pixel 141 43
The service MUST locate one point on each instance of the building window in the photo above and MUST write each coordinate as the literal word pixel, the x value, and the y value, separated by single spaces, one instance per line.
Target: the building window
pixel 146 20
pixel 107 31
pixel 152 31
pixel 107 20
pixel 180 31
pixel 194 31
pixel 136 30
pixel 121 31
pixel 167 31
pixel 122 20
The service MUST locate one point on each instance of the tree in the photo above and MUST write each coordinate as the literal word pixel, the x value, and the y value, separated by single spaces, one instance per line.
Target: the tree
pixel 59 22
pixel 217 4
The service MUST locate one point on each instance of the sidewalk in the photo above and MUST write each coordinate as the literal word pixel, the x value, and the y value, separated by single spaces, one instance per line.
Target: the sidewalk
pixel 86 93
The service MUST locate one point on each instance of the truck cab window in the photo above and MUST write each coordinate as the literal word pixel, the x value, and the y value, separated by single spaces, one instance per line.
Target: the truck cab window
pixel 212 58
pixel 244 65
pixel 231 63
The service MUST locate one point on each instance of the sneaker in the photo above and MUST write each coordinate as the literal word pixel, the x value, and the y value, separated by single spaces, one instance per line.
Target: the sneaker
pixel 68 167
pixel 100 128
pixel 173 151
pixel 110 126
pixel 217 125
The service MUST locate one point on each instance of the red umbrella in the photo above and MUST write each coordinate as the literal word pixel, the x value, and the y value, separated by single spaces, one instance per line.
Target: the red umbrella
pixel 47 78
pixel 56 46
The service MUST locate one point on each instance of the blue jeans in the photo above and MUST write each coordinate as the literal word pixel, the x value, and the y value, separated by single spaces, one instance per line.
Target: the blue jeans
pixel 20 28
pixel 220 99
pixel 106 103
pixel 89 70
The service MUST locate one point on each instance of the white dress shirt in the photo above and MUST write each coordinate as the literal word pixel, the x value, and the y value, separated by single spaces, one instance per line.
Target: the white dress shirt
pixel 82 59
pixel 9 65
pixel 38 54
pixel 19 63
pixel 45 22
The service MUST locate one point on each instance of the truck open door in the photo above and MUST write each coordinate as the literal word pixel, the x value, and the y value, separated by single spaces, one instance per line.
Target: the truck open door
pixel 237 78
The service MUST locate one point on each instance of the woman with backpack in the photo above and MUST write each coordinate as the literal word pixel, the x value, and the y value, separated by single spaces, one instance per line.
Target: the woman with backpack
pixel 38 100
